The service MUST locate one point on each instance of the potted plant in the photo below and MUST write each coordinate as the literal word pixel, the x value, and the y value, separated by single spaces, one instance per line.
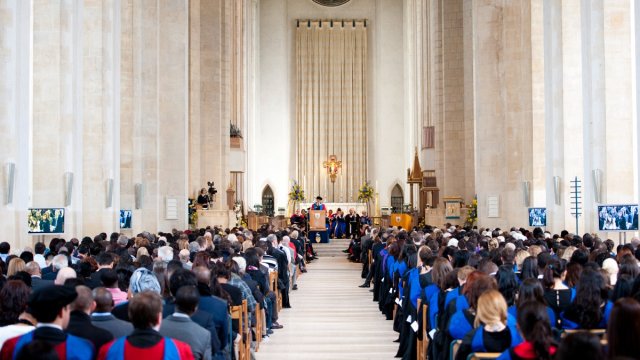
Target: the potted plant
pixel 365 194
pixel 235 135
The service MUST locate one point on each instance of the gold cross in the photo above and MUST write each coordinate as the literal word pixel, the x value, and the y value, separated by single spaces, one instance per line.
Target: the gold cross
pixel 332 165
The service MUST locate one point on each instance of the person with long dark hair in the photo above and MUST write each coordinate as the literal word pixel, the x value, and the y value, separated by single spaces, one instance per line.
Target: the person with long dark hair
pixel 623 331
pixel 507 283
pixel 13 301
pixel 535 328
pixel 529 268
pixel 407 311
pixel 531 290
pixel 434 296
pixel 557 294
pixel 591 307
pixel 580 345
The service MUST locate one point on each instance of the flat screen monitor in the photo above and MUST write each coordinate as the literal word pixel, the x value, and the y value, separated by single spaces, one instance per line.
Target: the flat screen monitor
pixel 537 216
pixel 125 219
pixel 618 217
pixel 46 221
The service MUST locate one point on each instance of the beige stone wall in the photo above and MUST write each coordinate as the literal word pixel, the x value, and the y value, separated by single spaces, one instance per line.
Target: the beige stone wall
pixel 502 101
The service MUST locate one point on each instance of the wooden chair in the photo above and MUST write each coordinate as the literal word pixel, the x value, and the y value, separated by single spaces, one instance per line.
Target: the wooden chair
pixel 260 319
pixel 425 331
pixel 483 356
pixel 453 349
pixel 273 280
pixel 246 330
pixel 419 342
pixel 601 333
pixel 236 315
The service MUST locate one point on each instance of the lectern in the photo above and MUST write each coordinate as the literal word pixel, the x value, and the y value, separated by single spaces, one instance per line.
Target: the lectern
pixel 318 224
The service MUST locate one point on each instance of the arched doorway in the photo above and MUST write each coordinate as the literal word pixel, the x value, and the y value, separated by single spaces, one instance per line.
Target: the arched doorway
pixel 267 201
pixel 397 199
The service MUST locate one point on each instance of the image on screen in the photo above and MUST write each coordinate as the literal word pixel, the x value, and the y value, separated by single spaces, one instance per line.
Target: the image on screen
pixel 537 216
pixel 46 221
pixel 617 217
pixel 125 219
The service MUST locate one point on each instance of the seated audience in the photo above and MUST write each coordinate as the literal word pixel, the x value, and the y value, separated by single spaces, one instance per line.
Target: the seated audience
pixel 146 342
pixel 535 328
pixel 50 307
pixel 179 326
pixel 623 332
pixel 491 332
pixel 102 317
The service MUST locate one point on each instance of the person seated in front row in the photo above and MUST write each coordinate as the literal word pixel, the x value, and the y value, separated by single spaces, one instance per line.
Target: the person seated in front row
pixel 491 333
pixel 50 306
pixel 535 328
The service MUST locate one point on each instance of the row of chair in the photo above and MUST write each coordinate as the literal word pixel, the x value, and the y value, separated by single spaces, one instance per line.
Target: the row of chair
pixel 241 315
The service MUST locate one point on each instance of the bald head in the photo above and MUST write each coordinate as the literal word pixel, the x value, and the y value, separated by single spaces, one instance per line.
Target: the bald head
pixel 64 274
pixel 103 299
pixel 203 274
pixel 84 301
pixel 32 268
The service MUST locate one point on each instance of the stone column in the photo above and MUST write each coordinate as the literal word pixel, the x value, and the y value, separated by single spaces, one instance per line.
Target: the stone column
pixel 154 95
pixel 502 99
pixel 15 118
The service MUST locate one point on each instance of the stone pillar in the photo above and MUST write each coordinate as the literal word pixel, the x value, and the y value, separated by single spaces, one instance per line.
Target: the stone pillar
pixel 15 118
pixel 210 93
pixel 502 99
pixel 154 93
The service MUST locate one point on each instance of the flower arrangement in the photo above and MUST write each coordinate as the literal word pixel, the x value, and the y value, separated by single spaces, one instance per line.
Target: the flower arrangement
pixel 472 212
pixel 193 214
pixel 297 193
pixel 366 192
pixel 234 131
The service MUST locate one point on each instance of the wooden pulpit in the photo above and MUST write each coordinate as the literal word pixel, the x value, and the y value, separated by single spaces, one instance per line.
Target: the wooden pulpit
pixel 317 220
pixel 402 220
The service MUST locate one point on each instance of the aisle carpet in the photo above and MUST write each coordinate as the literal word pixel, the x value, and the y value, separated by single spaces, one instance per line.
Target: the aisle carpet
pixel 331 317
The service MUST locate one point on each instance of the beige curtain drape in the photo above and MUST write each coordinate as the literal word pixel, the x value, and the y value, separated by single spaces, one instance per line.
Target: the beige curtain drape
pixel 331 110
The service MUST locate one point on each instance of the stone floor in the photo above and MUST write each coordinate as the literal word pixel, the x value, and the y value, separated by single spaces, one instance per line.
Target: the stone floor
pixel 331 317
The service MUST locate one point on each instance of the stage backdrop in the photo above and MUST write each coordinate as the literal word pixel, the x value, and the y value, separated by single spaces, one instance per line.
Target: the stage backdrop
pixel 331 103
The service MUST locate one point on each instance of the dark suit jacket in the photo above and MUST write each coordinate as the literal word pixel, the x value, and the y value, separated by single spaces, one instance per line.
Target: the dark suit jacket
pixel 283 267
pixel 37 282
pixel 219 309
pixel 95 281
pixel 185 329
pixel 121 311
pixel 51 275
pixel 117 328
pixel 80 325
pixel 46 270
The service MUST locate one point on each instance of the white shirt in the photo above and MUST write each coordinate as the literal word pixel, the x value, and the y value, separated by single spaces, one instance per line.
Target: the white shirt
pixel 39 258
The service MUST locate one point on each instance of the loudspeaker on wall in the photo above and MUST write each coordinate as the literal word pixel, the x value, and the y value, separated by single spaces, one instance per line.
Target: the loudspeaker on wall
pixel 10 172
pixel 597 185
pixel 556 189
pixel 68 188
pixel 526 190
pixel 109 193
pixel 139 194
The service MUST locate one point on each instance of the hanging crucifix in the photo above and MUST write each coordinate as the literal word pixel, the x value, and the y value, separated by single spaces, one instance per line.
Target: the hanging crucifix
pixel 333 165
